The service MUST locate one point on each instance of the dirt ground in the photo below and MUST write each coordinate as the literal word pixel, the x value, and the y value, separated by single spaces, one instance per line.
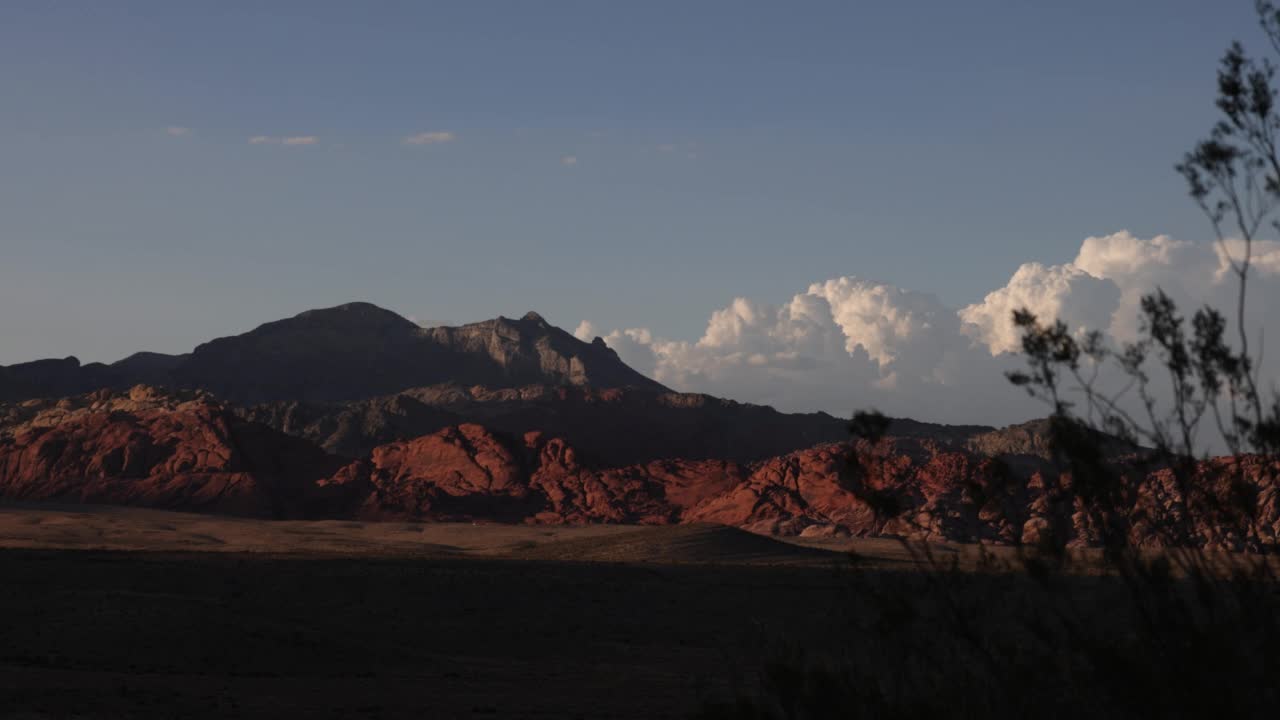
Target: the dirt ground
pixel 79 527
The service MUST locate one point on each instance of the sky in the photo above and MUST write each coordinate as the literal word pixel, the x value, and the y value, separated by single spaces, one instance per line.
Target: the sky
pixel 174 172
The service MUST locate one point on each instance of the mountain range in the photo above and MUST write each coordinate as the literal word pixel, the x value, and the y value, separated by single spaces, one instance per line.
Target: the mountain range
pixel 356 412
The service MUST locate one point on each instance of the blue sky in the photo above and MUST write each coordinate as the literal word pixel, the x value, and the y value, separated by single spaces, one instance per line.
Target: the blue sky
pixel 720 149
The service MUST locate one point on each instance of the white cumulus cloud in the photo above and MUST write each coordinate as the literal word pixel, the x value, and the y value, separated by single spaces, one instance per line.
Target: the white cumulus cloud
pixel 585 331
pixel 1064 292
pixel 848 343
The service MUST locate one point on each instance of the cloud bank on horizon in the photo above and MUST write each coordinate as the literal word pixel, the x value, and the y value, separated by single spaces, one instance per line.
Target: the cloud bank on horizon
pixel 848 343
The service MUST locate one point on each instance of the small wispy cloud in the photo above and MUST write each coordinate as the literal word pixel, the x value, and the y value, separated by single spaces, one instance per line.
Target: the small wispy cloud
pixel 569 160
pixel 177 131
pixel 291 140
pixel 690 149
pixel 430 138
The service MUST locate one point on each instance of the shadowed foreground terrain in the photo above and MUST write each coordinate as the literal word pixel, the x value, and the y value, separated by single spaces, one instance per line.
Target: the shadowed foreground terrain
pixel 125 613
pixel 104 634
pixel 381 620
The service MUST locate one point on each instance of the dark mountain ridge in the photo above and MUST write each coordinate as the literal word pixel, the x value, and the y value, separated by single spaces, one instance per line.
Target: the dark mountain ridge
pixel 349 352
pixel 612 425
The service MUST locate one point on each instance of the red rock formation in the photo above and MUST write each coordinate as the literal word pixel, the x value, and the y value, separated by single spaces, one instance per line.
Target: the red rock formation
pixel 467 472
pixel 652 493
pixel 189 452
pixel 147 449
pixel 461 472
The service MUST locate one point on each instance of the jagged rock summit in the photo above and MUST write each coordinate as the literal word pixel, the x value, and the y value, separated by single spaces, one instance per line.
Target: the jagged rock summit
pixel 348 352
pixel 531 348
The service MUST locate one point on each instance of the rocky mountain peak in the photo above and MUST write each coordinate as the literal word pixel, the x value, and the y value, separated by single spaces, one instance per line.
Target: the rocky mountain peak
pixel 531 350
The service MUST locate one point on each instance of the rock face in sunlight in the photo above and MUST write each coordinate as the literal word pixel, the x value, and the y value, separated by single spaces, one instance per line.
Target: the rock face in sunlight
pixel 150 449
pixel 916 488
pixel 461 472
pixel 469 473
